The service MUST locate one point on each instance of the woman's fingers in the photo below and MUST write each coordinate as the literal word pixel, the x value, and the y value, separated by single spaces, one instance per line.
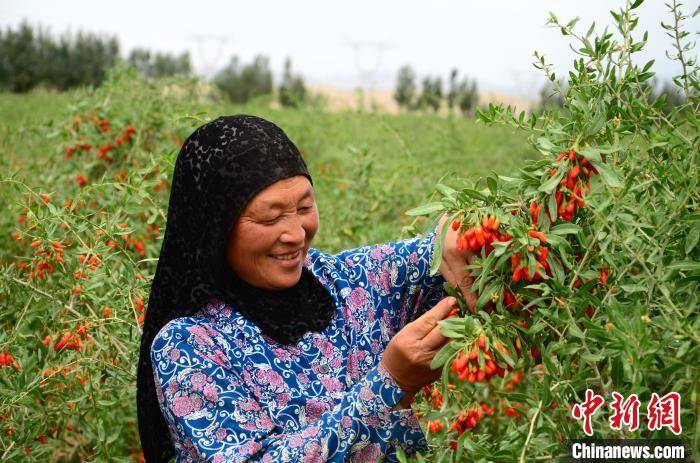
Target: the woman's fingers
pixel 426 322
pixel 434 340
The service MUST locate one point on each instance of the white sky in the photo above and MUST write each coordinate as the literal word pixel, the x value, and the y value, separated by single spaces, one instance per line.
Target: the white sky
pixel 358 43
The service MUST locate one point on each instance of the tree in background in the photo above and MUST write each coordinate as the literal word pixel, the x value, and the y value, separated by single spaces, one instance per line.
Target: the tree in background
pixel 666 97
pixel 672 97
pixel 431 94
pixel 453 91
pixel 19 63
pixel 292 91
pixel 467 96
pixel 241 83
pixel 462 94
pixel 155 65
pixel 29 57
pixel 405 87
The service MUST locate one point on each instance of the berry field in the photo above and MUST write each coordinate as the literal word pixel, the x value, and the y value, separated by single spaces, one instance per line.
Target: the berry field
pixel 582 227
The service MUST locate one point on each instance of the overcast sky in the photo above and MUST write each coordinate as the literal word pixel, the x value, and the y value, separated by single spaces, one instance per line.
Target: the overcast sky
pixel 358 43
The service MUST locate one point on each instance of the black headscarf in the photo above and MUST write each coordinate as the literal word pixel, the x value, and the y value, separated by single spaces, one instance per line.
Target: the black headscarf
pixel 219 169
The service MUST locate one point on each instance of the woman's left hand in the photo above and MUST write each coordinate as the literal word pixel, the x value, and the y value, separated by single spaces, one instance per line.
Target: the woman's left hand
pixel 453 262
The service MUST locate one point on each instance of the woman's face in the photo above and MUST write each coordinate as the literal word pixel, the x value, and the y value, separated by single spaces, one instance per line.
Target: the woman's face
pixel 280 221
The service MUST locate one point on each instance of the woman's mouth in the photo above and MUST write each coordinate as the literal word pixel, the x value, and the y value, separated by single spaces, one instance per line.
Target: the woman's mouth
pixel 288 259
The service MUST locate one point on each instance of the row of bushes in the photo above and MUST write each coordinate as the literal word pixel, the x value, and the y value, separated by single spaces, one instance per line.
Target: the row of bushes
pixel 462 95
pixel 240 83
pixel 31 57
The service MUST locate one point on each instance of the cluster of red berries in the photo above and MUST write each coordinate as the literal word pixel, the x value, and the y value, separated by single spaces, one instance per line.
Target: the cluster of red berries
pixel 467 364
pixel 571 198
pixel 514 380
pixel 433 395
pixel 7 360
pixel 103 150
pixel 92 263
pixel 44 267
pixel 138 303
pixel 481 236
pixel 469 419
pixel 133 242
pixel 69 340
pixel 541 265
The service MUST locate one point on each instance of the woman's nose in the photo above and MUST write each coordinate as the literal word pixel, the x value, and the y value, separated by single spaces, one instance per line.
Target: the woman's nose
pixel 294 231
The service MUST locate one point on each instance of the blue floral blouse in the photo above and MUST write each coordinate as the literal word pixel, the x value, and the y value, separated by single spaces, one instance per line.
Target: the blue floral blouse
pixel 231 394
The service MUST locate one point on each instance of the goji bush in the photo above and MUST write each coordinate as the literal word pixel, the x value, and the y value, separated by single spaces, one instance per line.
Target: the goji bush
pixel 82 252
pixel 585 264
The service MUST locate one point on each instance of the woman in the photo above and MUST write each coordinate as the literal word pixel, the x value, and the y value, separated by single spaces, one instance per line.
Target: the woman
pixel 257 347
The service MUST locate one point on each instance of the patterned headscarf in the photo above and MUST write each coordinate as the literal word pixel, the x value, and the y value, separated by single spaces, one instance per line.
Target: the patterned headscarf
pixel 219 169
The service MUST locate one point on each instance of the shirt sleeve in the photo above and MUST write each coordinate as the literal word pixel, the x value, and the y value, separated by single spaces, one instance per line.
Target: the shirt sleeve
pixel 398 276
pixel 213 416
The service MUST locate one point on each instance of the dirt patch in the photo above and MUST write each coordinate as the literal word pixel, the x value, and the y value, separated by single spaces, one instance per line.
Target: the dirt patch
pixel 382 100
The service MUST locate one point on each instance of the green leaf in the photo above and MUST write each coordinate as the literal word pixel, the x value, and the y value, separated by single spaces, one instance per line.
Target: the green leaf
pixel 555 240
pixel 536 328
pixel 426 209
pixel 468 192
pixel 549 186
pixel 552 206
pixel 565 229
pixel 633 288
pixel 691 239
pixel 592 357
pixel 608 175
pixel 686 266
pixel 100 430
pixel 617 371
pixel 575 330
pixel 494 287
pixel 591 154
pixel 447 351
pixel 492 184
pixel 400 455
pixel 500 247
pixel 544 145
pixel 452 327
pixel 557 269
pixel 590 30
pixel 445 190
pixel 437 251
pixel 596 123
pixel 636 4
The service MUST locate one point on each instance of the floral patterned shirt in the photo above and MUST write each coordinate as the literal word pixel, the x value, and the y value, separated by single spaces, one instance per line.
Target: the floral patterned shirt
pixel 231 394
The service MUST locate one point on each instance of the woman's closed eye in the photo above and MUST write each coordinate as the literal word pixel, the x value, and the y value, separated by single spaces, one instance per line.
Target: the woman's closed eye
pixel 304 210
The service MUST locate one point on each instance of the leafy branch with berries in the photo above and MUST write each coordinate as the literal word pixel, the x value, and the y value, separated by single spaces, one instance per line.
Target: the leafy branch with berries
pixel 585 264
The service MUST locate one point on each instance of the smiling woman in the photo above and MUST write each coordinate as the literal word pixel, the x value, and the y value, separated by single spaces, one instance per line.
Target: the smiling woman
pixel 258 347
pixel 274 233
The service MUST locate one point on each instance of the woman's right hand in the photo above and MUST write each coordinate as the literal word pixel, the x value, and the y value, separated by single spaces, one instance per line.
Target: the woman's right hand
pixel 409 353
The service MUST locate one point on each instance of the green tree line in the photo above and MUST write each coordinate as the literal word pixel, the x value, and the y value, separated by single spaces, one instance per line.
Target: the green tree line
pixel 31 57
pixel 462 95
